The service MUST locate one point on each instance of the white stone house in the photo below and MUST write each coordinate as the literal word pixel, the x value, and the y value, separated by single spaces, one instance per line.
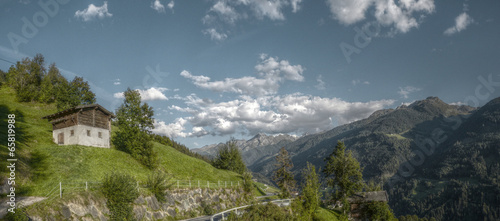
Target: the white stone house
pixel 88 125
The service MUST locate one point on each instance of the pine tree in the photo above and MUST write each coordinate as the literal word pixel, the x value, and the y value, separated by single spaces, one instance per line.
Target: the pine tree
pixel 135 122
pixel 229 158
pixel 310 192
pixel 282 176
pixel 343 174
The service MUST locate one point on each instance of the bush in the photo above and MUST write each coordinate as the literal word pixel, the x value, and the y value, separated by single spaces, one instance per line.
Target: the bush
pixel 247 182
pixel 379 211
pixel 158 183
pixel 229 158
pixel 120 191
pixel 261 212
pixel 207 208
pixel 18 215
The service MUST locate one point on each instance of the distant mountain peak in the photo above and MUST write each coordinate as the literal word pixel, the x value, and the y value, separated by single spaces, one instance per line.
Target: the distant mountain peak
pixel 258 136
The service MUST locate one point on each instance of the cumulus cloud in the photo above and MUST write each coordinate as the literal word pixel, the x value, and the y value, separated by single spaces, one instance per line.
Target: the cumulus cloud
pixel 117 81
pixel 92 12
pixel 148 95
pixel 405 91
pixel 462 21
pixel 214 34
pixel 401 15
pixel 271 72
pixel 272 67
pixel 223 13
pixel 295 113
pixel 157 6
pixel 175 129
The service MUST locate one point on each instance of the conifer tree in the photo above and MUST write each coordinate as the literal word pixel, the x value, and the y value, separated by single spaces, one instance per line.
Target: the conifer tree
pixel 310 192
pixel 229 158
pixel 282 176
pixel 343 174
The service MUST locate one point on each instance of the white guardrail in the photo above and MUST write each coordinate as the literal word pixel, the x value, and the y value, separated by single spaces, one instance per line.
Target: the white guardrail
pixel 280 203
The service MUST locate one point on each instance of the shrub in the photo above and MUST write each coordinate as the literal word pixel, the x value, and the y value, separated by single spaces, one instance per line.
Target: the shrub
pixel 260 212
pixel 207 208
pixel 247 182
pixel 18 215
pixel 158 183
pixel 120 191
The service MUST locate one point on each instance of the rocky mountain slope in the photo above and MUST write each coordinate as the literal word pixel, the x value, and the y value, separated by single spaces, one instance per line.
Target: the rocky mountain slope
pixel 434 159
pixel 253 149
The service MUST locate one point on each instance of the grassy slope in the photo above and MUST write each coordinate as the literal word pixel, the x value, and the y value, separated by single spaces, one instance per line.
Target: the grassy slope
pixel 43 164
pixel 326 214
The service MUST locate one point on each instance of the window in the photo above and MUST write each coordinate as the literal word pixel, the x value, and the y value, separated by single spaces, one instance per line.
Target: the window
pixel 72 133
pixel 88 133
pixel 99 134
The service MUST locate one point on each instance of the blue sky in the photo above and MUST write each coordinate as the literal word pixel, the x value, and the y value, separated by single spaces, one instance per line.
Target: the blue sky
pixel 213 69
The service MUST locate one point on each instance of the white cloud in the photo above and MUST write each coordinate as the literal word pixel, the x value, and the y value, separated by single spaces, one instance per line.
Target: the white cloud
pixel 402 15
pixel 225 12
pixel 462 21
pixel 349 11
pixel 214 35
pixel 157 6
pixel 294 113
pixel 117 81
pixel 93 12
pixel 268 8
pixel 171 5
pixel 271 70
pixel 321 83
pixel 272 67
pixel 405 91
pixel 459 103
pixel 148 95
pixel 295 5
pixel 175 129
pixel 357 81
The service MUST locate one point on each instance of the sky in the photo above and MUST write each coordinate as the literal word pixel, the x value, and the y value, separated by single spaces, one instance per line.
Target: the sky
pixel 216 69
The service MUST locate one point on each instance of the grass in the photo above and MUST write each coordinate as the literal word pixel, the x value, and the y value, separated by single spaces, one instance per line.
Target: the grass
pixel 397 136
pixel 326 214
pixel 42 164
pixel 267 188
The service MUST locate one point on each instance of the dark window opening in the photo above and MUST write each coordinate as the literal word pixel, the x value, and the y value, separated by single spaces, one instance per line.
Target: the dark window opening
pixel 88 133
pixel 99 134
pixel 72 133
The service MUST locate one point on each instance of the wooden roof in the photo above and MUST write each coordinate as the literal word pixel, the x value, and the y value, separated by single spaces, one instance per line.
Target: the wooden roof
pixel 365 197
pixel 76 109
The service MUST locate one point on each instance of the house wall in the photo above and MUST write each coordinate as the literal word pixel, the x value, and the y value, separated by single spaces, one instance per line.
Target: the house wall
pixel 66 121
pixel 80 136
pixel 94 117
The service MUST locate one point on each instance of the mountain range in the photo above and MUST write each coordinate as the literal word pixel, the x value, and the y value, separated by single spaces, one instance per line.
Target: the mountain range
pixel 434 159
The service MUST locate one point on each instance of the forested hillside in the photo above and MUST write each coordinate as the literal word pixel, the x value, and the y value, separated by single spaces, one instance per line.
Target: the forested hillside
pixel 433 158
